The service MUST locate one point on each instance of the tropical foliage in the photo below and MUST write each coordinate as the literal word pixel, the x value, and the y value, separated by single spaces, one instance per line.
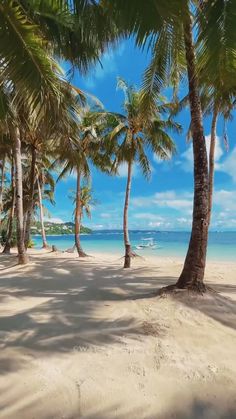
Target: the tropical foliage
pixel 45 121
pixel 130 136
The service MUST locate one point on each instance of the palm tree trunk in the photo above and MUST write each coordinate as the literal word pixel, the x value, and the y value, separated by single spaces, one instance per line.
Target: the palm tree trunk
pixel 31 197
pixel 7 247
pixel 127 244
pixel 212 159
pixel 78 216
pixel 22 257
pixel 192 275
pixel 2 182
pixel 44 239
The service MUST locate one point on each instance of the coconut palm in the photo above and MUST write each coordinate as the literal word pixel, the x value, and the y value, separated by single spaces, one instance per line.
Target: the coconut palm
pixel 31 34
pixel 35 191
pixel 9 209
pixel 45 189
pixel 74 153
pixel 168 31
pixel 217 68
pixel 6 157
pixel 132 135
pixel 86 203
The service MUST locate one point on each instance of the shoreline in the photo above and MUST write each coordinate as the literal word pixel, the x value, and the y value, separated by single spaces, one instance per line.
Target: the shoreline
pixel 173 246
pixel 114 256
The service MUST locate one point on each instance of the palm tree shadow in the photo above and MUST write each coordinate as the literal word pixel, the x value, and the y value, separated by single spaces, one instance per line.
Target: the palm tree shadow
pixel 66 295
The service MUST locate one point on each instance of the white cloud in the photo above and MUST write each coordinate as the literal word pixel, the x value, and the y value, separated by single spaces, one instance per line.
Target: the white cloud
pixel 54 220
pixel 123 170
pixel 226 200
pixel 175 209
pixel 105 215
pixel 97 226
pixel 147 216
pixel 229 165
pixel 181 201
pixel 225 165
pixel 108 66
pixel 154 224
pixel 186 158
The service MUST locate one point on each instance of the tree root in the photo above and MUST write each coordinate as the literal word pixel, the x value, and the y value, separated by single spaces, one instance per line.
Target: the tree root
pixel 133 255
pixel 198 288
pixel 83 255
pixel 47 247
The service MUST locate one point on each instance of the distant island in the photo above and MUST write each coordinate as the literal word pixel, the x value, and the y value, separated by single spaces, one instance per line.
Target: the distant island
pixel 57 228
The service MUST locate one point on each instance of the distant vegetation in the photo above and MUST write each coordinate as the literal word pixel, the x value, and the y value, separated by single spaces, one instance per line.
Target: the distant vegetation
pixel 62 228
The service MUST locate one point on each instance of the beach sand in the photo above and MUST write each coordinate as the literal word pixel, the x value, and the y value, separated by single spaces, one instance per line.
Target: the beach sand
pixel 88 339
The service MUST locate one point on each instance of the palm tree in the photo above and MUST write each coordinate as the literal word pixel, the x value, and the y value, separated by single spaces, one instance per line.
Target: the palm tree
pixel 132 135
pixel 2 179
pixel 9 207
pixel 44 179
pixel 168 31
pixel 22 257
pixel 217 69
pixel 6 156
pixel 86 203
pixel 220 103
pixel 75 152
pixel 31 33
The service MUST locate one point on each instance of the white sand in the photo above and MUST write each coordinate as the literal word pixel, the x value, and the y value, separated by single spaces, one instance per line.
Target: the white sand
pixel 87 339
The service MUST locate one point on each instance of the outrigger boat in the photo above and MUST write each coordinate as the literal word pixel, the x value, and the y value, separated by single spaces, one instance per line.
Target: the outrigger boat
pixel 147 244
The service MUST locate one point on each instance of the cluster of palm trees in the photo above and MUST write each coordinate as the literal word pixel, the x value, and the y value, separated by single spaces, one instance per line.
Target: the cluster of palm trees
pixel 45 121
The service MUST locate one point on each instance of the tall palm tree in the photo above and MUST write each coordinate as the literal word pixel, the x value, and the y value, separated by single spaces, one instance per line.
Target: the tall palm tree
pixel 75 152
pixel 31 34
pixel 132 135
pixel 219 104
pixel 6 156
pixel 168 31
pixel 86 203
pixel 9 206
pixel 45 183
pixel 217 68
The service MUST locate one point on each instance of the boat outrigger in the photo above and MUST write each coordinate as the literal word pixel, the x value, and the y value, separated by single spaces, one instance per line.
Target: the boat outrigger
pixel 147 244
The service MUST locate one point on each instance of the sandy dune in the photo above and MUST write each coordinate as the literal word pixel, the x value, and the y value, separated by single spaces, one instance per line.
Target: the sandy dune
pixel 87 339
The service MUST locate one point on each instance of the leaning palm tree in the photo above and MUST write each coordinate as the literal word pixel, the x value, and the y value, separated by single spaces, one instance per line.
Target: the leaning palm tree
pixel 132 135
pixel 168 30
pixel 31 34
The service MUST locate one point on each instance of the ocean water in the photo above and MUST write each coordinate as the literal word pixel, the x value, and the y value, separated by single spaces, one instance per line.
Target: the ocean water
pixel 222 245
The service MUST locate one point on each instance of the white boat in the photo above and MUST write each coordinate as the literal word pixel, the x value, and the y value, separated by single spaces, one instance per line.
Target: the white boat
pixel 147 244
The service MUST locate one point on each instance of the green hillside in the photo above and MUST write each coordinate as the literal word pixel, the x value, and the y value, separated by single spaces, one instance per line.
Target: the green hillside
pixel 56 228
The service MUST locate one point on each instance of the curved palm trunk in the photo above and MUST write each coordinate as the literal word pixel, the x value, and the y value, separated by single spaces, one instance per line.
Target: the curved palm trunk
pixel 192 275
pixel 7 247
pixel 212 159
pixel 44 239
pixel 78 216
pixel 127 244
pixel 2 183
pixel 31 197
pixel 22 257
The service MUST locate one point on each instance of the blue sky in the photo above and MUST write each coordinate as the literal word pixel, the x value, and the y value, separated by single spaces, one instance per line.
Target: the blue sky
pixel 165 202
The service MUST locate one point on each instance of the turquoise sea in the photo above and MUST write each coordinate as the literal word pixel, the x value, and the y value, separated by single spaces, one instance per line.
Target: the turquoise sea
pixel 222 245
